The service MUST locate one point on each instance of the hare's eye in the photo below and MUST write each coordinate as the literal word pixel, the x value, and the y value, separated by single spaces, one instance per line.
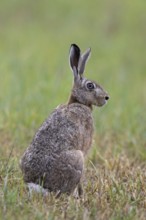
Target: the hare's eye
pixel 90 86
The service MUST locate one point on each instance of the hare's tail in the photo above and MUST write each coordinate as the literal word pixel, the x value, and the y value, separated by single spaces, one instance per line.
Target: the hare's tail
pixel 36 188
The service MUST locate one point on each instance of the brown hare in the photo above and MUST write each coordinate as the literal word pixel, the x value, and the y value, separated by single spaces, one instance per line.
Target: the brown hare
pixel 54 161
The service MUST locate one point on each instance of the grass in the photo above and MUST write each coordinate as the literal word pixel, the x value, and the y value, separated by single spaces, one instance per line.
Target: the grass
pixel 34 41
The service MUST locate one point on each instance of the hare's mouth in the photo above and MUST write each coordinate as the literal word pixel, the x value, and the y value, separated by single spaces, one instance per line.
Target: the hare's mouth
pixel 102 100
pixel 101 103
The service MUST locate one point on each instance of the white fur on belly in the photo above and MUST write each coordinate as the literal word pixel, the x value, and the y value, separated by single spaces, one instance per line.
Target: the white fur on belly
pixel 37 188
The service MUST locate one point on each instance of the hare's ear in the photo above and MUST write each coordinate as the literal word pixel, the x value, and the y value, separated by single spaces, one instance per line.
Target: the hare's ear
pixel 82 62
pixel 74 58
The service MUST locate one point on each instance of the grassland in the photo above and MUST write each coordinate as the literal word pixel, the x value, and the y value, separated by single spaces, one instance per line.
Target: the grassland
pixel 34 78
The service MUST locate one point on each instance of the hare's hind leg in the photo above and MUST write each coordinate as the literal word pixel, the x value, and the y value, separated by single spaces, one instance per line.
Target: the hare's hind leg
pixel 71 166
pixel 67 171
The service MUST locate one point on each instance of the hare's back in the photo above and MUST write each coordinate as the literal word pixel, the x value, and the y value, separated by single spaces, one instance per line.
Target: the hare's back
pixel 68 127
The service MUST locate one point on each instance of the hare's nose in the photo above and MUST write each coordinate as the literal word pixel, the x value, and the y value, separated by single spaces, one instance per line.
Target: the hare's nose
pixel 106 97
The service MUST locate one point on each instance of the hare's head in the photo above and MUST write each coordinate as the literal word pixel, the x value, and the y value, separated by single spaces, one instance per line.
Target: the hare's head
pixel 84 91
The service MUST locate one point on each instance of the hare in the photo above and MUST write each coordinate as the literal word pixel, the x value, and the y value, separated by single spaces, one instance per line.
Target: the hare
pixel 55 158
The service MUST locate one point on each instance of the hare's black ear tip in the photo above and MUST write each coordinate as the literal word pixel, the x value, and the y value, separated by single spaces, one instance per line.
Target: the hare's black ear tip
pixel 74 46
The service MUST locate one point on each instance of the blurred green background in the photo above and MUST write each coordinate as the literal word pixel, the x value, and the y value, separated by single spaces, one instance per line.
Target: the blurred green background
pixel 35 77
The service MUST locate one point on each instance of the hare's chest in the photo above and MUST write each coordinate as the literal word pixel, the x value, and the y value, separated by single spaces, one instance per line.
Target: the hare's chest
pixel 85 134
